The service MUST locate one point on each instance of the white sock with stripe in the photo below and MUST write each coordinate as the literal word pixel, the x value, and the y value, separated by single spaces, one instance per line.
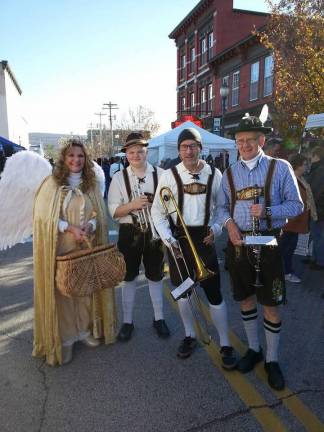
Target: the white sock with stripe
pixel 272 334
pixel 250 321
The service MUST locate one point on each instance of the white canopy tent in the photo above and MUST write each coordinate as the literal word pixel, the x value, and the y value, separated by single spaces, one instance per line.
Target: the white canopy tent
pixel 164 146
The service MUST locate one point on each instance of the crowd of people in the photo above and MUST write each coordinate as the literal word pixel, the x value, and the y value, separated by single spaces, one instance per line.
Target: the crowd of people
pixel 155 208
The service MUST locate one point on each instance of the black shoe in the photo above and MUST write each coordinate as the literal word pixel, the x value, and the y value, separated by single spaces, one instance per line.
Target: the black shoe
pixel 187 347
pixel 229 360
pixel 161 328
pixel 249 360
pixel 315 266
pixel 125 333
pixel 275 377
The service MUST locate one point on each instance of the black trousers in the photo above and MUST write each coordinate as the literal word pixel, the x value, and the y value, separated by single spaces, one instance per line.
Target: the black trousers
pixel 136 247
pixel 208 254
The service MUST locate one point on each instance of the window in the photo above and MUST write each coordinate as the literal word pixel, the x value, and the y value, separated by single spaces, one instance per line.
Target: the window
pixel 210 97
pixel 203 100
pixel 192 59
pixel 182 67
pixel 235 88
pixel 183 104
pixel 203 52
pixel 268 76
pixel 210 45
pixel 254 81
pixel 192 101
pixel 225 81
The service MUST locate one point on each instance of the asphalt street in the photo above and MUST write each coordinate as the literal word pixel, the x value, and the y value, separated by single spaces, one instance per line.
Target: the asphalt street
pixel 141 386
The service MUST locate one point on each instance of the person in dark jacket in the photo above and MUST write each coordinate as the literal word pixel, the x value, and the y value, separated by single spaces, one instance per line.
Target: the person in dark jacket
pixel 299 224
pixel 316 181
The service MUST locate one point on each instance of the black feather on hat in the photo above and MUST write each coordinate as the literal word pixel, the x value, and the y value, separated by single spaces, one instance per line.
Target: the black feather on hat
pixel 134 138
pixel 252 124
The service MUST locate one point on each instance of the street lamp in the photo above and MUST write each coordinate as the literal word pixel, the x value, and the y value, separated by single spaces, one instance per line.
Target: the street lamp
pixel 223 91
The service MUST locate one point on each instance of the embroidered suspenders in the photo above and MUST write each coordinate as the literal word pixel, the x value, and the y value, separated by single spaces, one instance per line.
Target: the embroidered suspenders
pixel 267 190
pixel 180 188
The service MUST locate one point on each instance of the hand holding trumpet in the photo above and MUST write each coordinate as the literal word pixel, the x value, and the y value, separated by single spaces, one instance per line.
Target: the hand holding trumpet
pixel 139 202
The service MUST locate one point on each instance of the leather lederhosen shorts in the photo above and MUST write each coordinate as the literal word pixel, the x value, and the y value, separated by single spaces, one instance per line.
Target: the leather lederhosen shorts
pixel 211 286
pixel 136 247
pixel 240 262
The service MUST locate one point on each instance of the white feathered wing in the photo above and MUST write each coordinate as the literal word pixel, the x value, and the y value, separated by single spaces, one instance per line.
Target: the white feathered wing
pixel 100 177
pixel 23 174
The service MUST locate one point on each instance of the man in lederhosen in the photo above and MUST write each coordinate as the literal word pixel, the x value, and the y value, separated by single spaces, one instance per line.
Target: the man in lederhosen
pixel 130 195
pixel 275 185
pixel 194 185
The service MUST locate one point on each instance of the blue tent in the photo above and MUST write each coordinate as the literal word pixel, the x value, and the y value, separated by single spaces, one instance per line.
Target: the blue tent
pixel 9 148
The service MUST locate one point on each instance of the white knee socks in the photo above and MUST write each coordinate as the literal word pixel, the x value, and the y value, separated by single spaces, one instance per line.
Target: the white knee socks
pixel 156 294
pixel 128 298
pixel 219 316
pixel 186 316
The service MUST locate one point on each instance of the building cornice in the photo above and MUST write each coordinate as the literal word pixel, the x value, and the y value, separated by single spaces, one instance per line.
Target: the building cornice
pixel 249 12
pixel 5 67
pixel 188 19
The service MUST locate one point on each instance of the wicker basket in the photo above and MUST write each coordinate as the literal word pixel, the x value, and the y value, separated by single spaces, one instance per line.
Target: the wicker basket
pixel 86 271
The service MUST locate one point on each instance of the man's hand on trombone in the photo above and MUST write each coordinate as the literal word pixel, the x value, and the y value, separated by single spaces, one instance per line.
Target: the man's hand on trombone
pixel 174 246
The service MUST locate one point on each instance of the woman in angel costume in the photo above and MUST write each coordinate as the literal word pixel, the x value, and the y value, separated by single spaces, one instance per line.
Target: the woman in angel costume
pixel 68 209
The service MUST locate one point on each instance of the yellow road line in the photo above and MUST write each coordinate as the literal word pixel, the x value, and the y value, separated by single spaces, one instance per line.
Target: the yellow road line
pixel 248 394
pixel 309 420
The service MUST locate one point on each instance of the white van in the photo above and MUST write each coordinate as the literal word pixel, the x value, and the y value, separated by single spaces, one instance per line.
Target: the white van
pixel 37 148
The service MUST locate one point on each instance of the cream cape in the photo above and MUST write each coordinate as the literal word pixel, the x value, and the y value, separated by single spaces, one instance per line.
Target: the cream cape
pixel 47 341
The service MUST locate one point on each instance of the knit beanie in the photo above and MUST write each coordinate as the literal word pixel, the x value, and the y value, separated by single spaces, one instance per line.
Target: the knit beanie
pixel 189 134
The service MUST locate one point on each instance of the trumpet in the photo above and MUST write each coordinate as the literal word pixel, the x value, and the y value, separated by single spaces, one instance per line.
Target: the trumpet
pixel 144 215
pixel 201 272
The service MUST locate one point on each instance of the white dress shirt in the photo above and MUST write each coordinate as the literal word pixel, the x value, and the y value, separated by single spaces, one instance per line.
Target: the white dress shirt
pixel 118 195
pixel 193 205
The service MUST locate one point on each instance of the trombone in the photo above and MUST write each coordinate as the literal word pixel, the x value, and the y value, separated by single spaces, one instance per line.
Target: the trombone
pixel 144 215
pixel 201 272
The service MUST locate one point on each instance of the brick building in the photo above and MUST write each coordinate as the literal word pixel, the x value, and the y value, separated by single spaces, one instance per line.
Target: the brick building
pixel 215 46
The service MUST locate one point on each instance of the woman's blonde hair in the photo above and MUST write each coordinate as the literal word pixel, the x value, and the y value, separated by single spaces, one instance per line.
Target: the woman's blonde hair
pixel 61 172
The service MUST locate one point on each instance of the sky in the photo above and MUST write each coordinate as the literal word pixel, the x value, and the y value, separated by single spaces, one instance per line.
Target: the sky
pixel 72 56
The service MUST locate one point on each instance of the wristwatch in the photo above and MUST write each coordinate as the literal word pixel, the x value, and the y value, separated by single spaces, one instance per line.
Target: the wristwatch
pixel 268 212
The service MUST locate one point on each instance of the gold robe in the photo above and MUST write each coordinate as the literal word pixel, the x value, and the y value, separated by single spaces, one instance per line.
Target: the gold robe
pixel 47 210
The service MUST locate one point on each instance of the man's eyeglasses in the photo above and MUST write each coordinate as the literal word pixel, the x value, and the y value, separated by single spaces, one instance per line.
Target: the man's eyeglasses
pixel 185 147
pixel 248 141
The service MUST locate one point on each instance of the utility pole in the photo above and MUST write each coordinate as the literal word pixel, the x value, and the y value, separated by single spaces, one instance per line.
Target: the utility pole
pixel 100 114
pixel 111 106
